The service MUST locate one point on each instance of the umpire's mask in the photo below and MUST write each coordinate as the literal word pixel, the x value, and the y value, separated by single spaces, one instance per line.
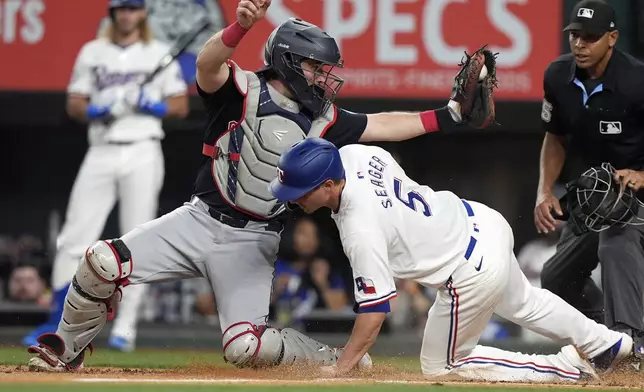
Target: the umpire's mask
pixel 596 201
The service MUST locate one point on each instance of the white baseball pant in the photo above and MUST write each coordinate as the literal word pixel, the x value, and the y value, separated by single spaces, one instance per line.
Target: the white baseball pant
pixel 490 281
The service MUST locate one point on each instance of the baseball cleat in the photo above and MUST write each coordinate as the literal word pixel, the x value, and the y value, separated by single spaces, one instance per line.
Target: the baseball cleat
pixel 45 361
pixel 609 359
pixel 586 369
pixel 48 352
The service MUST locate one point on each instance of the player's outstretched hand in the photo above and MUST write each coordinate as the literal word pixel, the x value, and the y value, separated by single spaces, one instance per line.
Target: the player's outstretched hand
pixel 473 88
pixel 547 204
pixel 250 12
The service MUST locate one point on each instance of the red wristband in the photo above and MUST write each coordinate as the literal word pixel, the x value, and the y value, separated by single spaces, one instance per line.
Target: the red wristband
pixel 429 120
pixel 233 34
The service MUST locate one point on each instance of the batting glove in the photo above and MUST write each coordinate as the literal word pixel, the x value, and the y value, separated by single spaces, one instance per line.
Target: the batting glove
pixel 95 112
pixel 158 109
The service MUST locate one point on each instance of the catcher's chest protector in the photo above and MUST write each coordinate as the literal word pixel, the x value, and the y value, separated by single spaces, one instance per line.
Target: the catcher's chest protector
pixel 246 156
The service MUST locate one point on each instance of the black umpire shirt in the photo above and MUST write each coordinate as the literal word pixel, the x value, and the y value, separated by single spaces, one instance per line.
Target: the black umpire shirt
pixel 226 105
pixel 604 117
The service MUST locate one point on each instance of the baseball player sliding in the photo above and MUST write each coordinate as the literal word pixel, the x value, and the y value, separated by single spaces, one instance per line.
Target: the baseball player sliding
pixel 392 227
pixel 125 159
pixel 229 232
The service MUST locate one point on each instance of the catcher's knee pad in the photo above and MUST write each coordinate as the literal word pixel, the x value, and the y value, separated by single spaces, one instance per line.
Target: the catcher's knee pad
pixel 248 345
pixel 101 272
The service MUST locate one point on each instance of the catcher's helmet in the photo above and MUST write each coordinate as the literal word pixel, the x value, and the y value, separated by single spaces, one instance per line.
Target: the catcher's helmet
pixel 293 42
pixel 304 166
pixel 596 201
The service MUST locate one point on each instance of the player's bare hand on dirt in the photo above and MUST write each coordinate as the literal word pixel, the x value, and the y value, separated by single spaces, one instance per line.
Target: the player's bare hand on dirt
pixel 631 178
pixel 250 12
pixel 543 213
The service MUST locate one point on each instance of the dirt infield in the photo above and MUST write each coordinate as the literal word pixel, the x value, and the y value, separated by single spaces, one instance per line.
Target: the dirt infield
pixel 209 374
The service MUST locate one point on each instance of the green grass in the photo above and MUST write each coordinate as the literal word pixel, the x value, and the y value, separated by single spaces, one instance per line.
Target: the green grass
pixel 164 359
pixel 142 358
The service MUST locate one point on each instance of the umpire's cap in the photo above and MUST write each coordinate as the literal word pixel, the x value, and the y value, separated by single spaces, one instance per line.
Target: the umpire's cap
pixel 305 166
pixel 594 17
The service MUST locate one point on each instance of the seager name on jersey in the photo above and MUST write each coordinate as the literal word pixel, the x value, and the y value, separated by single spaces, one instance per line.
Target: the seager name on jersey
pixel 375 176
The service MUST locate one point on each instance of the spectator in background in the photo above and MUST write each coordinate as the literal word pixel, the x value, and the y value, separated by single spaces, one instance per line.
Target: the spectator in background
pixel 26 285
pixel 305 280
pixel 15 255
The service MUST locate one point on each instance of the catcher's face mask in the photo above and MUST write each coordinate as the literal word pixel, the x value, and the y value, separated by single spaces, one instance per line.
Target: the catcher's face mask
pixel 596 201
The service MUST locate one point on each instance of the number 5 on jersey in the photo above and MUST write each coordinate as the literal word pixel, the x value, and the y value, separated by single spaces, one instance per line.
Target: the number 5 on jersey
pixel 411 198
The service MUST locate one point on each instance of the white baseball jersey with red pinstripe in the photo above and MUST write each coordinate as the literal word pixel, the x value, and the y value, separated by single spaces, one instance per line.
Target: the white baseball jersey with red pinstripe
pixel 392 227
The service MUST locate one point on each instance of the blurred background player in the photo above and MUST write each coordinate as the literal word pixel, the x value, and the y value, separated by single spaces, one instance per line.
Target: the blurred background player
pixel 125 158
pixel 592 113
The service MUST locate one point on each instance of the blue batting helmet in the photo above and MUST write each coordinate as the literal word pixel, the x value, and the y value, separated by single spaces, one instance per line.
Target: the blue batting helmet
pixel 126 3
pixel 304 166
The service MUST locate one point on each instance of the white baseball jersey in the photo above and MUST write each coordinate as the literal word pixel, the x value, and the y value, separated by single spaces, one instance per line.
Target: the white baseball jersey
pixel 110 74
pixel 392 227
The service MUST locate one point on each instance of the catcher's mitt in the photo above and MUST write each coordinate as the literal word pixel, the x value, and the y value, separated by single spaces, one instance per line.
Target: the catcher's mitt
pixel 474 93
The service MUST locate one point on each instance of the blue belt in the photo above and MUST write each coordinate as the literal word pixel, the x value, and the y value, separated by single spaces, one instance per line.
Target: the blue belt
pixel 472 244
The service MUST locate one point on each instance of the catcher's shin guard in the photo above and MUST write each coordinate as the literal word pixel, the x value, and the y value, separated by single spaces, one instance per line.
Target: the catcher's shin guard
pixel 248 345
pixel 100 274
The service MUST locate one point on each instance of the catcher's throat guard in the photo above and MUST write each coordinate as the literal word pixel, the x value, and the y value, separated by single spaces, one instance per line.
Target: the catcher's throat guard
pixel 596 201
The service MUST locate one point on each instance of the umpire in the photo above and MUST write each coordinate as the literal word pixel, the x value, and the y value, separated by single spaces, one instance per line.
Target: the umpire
pixel 593 110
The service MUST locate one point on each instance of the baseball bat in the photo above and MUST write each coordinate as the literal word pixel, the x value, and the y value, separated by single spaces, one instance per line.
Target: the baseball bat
pixel 177 49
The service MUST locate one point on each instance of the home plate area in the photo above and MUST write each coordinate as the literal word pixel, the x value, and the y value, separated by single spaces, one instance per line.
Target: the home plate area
pixel 218 375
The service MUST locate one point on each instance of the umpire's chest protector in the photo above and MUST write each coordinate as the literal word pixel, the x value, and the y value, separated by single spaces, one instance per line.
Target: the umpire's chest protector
pixel 246 155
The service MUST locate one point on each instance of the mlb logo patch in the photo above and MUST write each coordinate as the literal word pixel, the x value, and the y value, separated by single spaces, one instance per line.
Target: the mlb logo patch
pixel 585 13
pixel 280 175
pixel 365 285
pixel 610 127
pixel 360 175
